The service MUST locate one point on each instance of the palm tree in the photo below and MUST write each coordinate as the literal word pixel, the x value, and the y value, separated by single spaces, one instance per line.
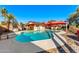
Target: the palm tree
pixel 4 11
pixel 15 23
pixel 3 22
pixel 75 16
pixel 4 14
pixel 72 18
pixel 21 24
pixel 77 10
pixel 9 17
pixel 10 20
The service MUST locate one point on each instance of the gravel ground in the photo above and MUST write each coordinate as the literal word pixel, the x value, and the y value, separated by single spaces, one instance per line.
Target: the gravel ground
pixel 71 42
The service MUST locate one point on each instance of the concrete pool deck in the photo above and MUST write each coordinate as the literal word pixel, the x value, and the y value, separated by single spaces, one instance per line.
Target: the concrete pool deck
pixel 13 46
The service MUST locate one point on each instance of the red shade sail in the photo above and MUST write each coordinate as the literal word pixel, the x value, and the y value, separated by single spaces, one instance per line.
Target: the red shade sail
pixel 55 23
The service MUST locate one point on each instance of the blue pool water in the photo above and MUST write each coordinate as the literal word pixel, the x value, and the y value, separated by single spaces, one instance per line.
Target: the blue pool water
pixel 32 36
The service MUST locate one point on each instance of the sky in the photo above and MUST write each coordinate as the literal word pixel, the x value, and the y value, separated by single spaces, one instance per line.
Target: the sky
pixel 39 13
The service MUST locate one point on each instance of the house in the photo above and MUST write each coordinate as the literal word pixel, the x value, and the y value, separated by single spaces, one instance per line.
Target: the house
pixel 30 25
pixel 55 24
pixel 39 26
pixel 42 26
pixel 35 26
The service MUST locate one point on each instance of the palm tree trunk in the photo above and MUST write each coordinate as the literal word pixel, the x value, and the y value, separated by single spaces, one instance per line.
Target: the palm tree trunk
pixel 8 26
pixel 0 37
pixel 0 34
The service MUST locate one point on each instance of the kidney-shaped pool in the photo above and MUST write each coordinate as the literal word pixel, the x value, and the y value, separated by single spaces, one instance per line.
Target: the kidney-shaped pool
pixel 32 36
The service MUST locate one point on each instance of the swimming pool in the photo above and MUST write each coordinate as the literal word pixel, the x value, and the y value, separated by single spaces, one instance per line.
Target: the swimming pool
pixel 32 36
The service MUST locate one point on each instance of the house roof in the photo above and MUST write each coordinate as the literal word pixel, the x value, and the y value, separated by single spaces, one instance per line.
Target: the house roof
pixel 56 22
pixel 47 24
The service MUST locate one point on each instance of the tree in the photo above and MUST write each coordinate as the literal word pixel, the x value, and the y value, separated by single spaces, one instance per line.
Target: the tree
pixel 22 25
pixel 73 17
pixel 9 17
pixel 15 23
pixel 4 12
pixel 3 22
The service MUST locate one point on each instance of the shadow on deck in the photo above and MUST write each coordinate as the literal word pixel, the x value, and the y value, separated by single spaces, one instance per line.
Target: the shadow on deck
pixel 74 37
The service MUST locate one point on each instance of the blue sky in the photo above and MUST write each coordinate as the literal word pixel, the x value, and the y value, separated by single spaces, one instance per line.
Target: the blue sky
pixel 39 13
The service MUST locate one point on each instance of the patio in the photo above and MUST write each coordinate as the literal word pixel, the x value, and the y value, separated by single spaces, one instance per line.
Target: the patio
pixel 55 45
